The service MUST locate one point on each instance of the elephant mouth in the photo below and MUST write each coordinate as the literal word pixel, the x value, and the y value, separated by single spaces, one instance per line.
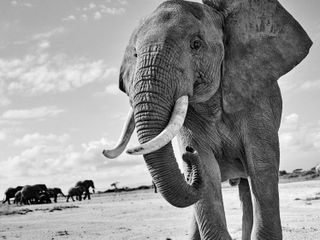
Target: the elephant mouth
pixel 172 129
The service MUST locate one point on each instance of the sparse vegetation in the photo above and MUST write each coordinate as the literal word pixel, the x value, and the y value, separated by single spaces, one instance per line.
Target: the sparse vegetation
pixel 299 175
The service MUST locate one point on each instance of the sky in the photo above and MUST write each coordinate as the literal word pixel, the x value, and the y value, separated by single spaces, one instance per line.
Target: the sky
pixel 59 100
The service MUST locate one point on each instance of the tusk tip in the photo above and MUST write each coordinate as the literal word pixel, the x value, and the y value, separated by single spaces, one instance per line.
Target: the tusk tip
pixel 109 154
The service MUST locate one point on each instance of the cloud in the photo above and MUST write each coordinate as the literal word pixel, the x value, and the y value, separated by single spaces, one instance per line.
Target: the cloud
pixel 112 89
pixel 44 45
pixel 295 136
pixel 4 100
pixel 34 113
pixel 92 6
pixel 97 11
pixel 113 11
pixel 97 15
pixel 311 85
pixel 49 34
pixel 84 17
pixel 123 2
pixel 3 135
pixel 69 18
pixel 15 3
pixel 39 139
pixel 49 155
pixel 34 75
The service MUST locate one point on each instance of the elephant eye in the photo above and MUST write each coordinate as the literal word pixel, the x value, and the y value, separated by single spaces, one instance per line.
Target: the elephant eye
pixel 196 44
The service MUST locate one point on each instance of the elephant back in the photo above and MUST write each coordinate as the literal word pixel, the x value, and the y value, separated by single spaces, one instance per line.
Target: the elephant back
pixel 10 192
pixel 86 184
pixel 33 191
pixel 28 192
pixel 76 190
pixel 40 187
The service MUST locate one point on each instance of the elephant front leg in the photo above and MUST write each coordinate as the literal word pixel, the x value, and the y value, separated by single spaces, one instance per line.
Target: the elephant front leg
pixel 194 233
pixel 87 194
pixel 209 221
pixel 263 167
pixel 247 214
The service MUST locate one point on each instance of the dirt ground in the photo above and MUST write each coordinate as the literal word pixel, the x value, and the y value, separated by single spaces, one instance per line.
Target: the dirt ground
pixel 145 215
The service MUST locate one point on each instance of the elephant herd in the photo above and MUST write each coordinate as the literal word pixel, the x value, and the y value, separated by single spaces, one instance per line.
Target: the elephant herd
pixel 39 193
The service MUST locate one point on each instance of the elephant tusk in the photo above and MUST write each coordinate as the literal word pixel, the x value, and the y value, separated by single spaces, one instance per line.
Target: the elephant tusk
pixel 176 121
pixel 124 139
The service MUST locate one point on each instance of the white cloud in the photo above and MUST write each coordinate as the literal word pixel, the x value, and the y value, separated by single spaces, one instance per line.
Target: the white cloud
pixel 97 15
pixel 295 136
pixel 34 75
pixel 3 135
pixel 310 85
pixel 112 89
pixel 123 2
pixel 69 18
pixel 39 139
pixel 4 100
pixel 27 5
pixel 92 6
pixel 113 11
pixel 34 113
pixel 49 157
pixel 15 3
pixel 84 17
pixel 49 34
pixel 44 45
pixel 97 11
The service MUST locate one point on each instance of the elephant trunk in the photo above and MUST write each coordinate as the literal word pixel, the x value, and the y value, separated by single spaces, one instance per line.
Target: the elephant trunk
pixel 153 102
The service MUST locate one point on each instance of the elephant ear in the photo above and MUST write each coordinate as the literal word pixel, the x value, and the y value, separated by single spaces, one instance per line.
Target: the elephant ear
pixel 262 43
pixel 127 68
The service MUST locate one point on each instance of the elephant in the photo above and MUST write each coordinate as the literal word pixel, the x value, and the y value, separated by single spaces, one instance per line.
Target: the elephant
pixel 31 193
pixel 44 197
pixel 10 193
pixel 207 74
pixel 53 192
pixel 86 184
pixel 317 169
pixel 17 198
pixel 76 191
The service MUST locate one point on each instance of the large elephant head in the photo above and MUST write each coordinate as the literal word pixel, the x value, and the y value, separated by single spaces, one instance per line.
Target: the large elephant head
pixel 188 53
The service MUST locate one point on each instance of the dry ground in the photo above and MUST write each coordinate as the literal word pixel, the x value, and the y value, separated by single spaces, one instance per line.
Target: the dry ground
pixel 145 215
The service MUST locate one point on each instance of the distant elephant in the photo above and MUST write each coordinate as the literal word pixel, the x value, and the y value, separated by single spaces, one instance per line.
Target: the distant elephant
pixel 44 197
pixel 75 191
pixel 31 194
pixel 54 193
pixel 10 192
pixel 17 198
pixel 208 73
pixel 86 184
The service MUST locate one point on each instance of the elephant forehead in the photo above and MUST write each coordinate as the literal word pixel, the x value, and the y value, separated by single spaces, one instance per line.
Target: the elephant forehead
pixel 169 9
pixel 171 20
